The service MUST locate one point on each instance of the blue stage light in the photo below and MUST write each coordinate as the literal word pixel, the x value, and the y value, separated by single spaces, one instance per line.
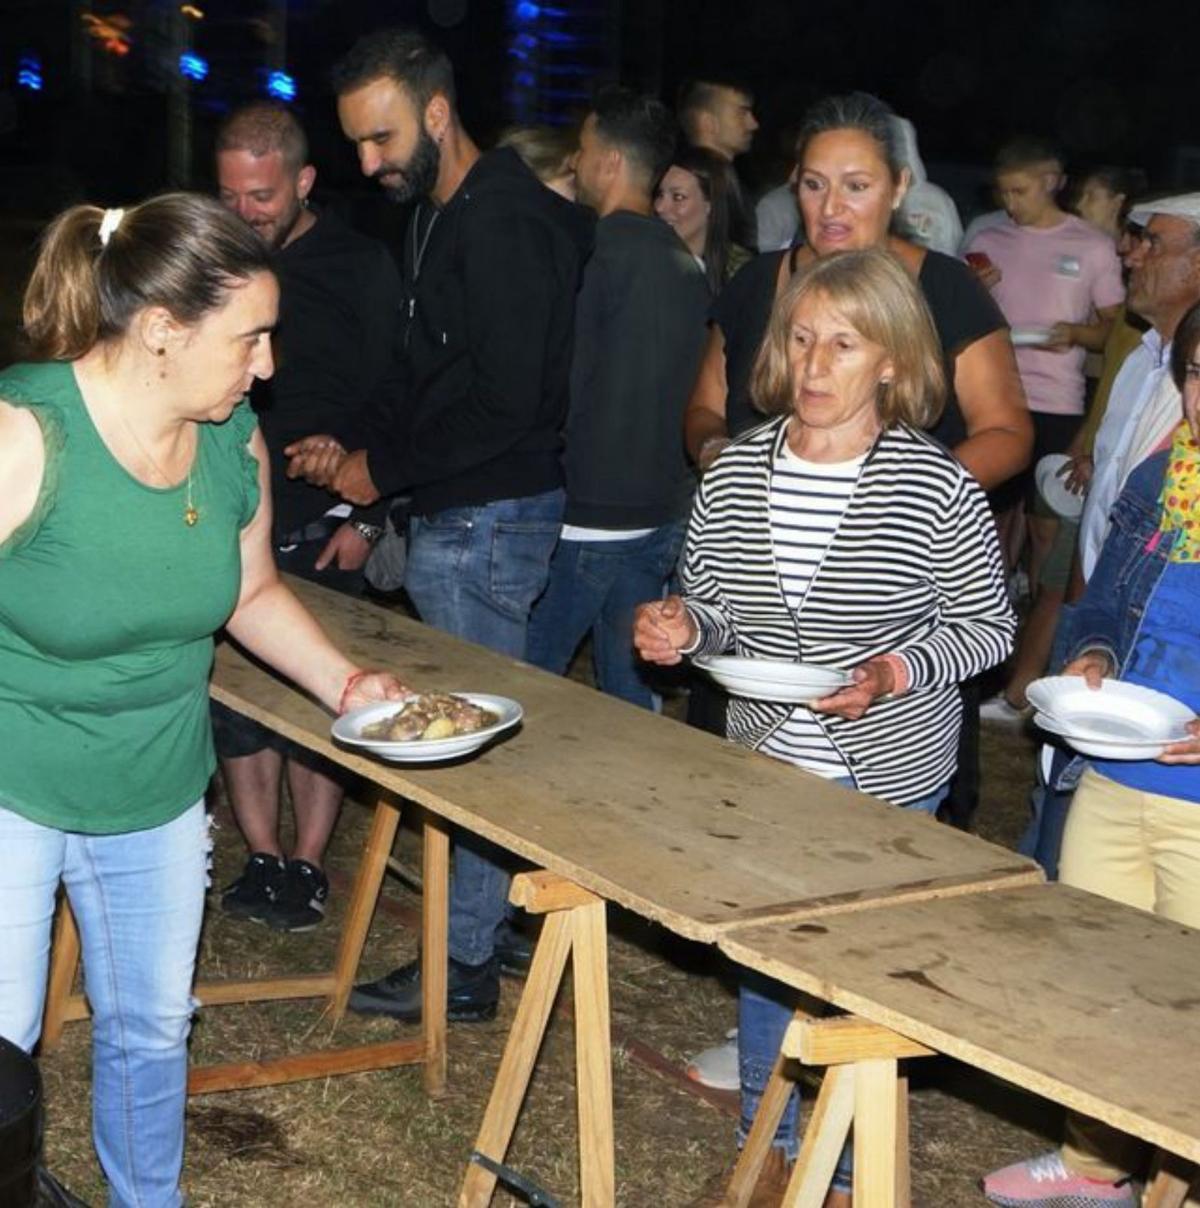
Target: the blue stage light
pixel 281 86
pixel 192 67
pixel 29 73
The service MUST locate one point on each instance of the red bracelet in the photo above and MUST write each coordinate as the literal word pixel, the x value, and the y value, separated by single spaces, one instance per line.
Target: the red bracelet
pixel 353 679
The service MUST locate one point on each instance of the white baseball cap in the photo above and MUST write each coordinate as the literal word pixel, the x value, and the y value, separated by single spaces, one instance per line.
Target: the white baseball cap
pixel 1182 205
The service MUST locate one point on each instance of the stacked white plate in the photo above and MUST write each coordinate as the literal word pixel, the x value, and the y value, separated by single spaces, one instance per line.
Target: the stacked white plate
pixel 349 727
pixel 1115 721
pixel 773 679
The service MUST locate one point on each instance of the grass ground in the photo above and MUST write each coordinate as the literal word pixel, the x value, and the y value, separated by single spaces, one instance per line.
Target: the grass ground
pixel 376 1139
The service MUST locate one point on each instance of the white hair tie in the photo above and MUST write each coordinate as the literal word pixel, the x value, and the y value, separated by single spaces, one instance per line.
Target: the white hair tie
pixel 108 224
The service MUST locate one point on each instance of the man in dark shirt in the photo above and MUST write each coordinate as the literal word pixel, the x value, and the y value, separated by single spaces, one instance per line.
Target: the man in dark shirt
pixel 639 332
pixel 719 116
pixel 339 297
pixel 492 261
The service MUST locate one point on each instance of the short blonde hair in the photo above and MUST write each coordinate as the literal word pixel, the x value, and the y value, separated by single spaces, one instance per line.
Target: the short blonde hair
pixel 882 302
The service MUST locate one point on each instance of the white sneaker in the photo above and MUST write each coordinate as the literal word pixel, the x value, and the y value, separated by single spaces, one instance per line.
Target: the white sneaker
pixel 998 709
pixel 717 1067
pixel 1018 587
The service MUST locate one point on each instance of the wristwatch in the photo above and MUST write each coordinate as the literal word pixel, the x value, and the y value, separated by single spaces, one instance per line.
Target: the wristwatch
pixel 369 532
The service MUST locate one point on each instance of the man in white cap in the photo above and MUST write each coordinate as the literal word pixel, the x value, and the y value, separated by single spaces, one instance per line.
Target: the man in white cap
pixel 1144 405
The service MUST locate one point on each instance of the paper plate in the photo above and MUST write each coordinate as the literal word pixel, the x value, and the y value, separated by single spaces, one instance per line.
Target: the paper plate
pixel 1105 748
pixel 348 728
pixel 1054 489
pixel 1030 337
pixel 1117 721
pixel 773 679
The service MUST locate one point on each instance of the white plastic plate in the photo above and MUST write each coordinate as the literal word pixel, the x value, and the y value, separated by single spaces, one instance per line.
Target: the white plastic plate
pixel 1116 721
pixel 348 728
pixel 1030 337
pixel 1054 489
pixel 773 679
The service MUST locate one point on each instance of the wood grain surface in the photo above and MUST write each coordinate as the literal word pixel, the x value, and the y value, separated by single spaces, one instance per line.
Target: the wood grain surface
pixel 680 827
pixel 1085 1001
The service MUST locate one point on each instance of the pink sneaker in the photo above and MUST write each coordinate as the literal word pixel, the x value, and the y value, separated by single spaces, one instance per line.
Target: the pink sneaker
pixel 1044 1182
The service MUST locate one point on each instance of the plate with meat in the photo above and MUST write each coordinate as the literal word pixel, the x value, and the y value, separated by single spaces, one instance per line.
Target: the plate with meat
pixel 428 727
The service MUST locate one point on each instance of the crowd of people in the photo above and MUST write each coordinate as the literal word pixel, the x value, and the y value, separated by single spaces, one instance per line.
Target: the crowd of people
pixel 596 392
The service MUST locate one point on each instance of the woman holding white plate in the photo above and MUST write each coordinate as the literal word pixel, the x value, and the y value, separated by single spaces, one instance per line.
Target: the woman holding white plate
pixel 1133 831
pixel 839 534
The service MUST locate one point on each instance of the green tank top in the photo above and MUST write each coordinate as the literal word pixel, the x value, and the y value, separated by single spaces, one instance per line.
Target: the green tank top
pixel 108 606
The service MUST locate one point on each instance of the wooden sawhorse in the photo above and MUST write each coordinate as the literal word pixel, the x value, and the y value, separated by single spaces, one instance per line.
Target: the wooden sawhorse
pixel 575 927
pixel 427 1049
pixel 862 1087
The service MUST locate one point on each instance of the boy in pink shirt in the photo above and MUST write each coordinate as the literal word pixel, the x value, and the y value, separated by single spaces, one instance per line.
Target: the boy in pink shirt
pixel 1052 271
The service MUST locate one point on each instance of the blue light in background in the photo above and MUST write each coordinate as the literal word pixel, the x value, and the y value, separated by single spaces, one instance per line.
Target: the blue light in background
pixel 29 73
pixel 192 67
pixel 281 86
pixel 552 44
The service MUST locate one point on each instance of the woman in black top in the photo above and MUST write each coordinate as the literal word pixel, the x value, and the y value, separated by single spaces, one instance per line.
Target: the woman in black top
pixel 850 183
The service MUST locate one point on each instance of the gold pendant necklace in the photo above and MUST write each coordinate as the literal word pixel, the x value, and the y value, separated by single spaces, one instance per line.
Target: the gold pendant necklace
pixel 191 514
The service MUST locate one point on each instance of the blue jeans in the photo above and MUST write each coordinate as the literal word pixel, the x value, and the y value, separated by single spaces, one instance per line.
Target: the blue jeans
pixel 765 1008
pixel 596 585
pixel 475 572
pixel 138 899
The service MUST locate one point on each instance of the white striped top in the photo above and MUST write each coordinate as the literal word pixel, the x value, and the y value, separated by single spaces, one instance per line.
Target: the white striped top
pixel 913 569
pixel 807 500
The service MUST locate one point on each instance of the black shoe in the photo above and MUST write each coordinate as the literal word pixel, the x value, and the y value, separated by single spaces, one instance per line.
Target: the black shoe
pixel 474 991
pixel 514 951
pixel 300 903
pixel 52 1194
pixel 253 894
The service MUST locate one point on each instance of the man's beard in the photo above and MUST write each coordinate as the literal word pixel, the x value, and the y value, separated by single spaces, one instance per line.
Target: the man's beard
pixel 418 177
pixel 284 227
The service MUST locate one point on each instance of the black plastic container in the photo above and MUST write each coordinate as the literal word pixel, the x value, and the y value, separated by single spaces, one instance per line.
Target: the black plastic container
pixel 20 1126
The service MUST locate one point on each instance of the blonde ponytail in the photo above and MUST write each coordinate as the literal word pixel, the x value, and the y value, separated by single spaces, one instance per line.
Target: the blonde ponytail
pixel 62 301
pixel 181 251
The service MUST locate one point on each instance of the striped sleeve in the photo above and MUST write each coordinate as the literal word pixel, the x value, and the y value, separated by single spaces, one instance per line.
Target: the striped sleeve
pixel 977 624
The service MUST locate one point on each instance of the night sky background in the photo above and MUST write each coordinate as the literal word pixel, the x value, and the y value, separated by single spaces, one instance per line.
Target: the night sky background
pixel 1111 80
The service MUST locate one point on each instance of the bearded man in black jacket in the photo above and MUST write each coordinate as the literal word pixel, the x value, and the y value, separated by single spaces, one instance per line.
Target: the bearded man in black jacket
pixel 492 263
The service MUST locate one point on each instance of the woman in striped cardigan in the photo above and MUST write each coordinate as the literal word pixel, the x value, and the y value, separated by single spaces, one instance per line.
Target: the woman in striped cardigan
pixel 840 534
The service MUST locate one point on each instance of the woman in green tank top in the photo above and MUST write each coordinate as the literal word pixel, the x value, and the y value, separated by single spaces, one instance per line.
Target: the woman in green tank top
pixel 134 523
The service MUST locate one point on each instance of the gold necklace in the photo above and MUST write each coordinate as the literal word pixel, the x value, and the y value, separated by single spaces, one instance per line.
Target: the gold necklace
pixel 191 513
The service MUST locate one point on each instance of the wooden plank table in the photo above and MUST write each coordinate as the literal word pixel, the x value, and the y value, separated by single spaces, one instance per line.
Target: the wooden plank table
pixel 681 828
pixel 1084 1001
pixel 621 805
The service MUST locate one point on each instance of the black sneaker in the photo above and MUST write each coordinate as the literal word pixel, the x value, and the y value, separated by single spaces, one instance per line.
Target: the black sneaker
pixel 514 950
pixel 474 991
pixel 253 894
pixel 300 903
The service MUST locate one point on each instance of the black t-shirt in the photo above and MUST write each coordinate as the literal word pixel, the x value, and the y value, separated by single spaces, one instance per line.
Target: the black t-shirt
pixel 741 311
pixel 963 312
pixel 339 296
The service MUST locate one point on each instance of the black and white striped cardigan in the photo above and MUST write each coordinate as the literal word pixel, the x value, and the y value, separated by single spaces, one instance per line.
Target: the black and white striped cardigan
pixel 913 568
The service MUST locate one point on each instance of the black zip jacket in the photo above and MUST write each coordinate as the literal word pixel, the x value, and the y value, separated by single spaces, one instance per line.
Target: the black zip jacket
pixel 486 339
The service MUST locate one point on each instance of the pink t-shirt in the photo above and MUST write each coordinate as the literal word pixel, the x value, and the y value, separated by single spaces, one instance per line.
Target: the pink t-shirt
pixel 1057 274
